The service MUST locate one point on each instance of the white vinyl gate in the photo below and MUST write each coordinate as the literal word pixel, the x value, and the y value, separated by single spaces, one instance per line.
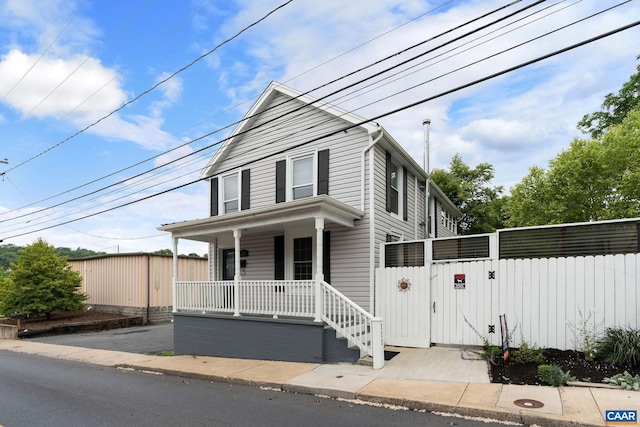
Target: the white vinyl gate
pixel 404 300
pixel 541 298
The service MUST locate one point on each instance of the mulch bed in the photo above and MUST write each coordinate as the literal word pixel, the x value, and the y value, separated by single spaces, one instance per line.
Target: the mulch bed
pixel 510 372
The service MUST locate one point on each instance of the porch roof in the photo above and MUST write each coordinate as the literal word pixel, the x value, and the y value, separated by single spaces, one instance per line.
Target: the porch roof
pixel 272 217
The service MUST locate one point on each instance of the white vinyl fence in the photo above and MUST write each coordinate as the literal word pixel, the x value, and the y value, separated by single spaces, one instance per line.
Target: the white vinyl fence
pixel 548 281
pixel 543 299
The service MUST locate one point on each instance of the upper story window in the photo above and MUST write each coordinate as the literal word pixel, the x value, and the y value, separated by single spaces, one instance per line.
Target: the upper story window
pixel 230 196
pixel 302 176
pixel 394 190
pixel 396 178
pixel 449 221
pixel 303 182
pixel 230 192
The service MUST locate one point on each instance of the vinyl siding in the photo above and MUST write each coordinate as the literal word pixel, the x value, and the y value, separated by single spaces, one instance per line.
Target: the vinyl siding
pixel 441 229
pixel 250 150
pixel 349 246
pixel 386 222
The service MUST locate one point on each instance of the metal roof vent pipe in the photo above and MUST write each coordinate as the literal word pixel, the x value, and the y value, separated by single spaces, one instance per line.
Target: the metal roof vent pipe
pixel 427 217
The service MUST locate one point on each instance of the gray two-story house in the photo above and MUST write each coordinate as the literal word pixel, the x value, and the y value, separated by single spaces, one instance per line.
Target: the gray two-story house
pixel 302 195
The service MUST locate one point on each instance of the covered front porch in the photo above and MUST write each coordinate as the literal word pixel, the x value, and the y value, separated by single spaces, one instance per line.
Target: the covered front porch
pixel 272 263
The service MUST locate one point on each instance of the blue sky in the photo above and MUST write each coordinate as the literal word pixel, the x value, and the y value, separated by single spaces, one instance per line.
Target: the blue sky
pixel 66 64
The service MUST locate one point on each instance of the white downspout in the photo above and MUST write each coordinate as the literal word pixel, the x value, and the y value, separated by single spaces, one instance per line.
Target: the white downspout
pixel 427 190
pixel 362 162
pixel 372 235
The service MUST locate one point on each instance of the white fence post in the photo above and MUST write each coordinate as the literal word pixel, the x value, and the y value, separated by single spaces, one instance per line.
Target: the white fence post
pixel 377 343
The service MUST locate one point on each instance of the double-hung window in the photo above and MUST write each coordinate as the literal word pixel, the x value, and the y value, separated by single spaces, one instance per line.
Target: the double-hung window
pixel 302 177
pixel 397 178
pixel 394 188
pixel 230 192
pixel 230 196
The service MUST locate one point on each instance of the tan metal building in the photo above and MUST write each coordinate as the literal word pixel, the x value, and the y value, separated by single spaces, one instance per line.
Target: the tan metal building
pixel 136 284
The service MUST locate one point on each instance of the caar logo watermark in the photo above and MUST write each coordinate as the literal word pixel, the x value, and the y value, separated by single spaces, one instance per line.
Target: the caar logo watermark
pixel 621 417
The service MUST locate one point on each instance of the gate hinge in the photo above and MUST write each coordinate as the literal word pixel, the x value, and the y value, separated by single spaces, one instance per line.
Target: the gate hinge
pixel 492 275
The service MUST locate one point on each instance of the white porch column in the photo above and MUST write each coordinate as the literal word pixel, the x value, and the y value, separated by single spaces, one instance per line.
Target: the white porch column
pixel 236 276
pixel 174 241
pixel 319 267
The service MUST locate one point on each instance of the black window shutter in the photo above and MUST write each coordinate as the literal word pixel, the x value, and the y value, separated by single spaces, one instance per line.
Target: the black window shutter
pixel 326 256
pixel 278 255
pixel 405 195
pixel 281 181
pixel 323 172
pixel 245 202
pixel 214 197
pixel 388 189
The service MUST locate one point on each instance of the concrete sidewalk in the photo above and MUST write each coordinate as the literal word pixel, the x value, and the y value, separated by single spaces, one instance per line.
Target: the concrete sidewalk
pixel 435 379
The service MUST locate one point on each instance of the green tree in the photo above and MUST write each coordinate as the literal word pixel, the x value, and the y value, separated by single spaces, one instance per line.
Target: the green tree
pixel 614 108
pixel 8 254
pixel 41 283
pixel 592 180
pixel 471 191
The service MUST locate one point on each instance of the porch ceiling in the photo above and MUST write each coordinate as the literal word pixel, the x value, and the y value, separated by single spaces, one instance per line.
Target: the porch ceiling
pixel 274 217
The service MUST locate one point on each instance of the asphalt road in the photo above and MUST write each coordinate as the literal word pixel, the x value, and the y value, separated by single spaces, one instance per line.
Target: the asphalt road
pixel 39 391
pixel 150 339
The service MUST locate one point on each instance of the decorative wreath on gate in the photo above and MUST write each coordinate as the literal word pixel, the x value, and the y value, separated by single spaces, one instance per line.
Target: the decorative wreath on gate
pixel 404 285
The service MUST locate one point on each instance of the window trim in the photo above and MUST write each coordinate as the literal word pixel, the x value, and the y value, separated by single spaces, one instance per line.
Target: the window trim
pixel 289 237
pixel 222 202
pixel 314 174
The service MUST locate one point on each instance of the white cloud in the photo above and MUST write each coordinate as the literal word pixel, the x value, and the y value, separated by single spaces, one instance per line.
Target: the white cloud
pixel 40 93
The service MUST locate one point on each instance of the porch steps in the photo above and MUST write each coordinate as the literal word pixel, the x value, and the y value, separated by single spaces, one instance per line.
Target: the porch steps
pixel 337 349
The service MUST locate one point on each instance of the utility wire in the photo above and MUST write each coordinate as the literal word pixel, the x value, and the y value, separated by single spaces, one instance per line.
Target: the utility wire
pixel 299 116
pixel 131 101
pixel 113 34
pixel 44 52
pixel 246 118
pixel 388 113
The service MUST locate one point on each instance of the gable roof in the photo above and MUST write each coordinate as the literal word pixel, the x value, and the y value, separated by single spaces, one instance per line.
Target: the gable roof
pixel 263 103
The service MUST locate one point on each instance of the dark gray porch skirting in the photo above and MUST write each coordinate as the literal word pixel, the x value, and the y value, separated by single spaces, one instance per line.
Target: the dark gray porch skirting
pixel 247 337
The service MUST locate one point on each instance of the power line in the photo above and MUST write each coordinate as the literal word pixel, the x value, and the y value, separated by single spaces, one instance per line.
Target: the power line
pixel 152 87
pixel 388 113
pixel 404 50
pixel 113 34
pixel 252 129
pixel 44 52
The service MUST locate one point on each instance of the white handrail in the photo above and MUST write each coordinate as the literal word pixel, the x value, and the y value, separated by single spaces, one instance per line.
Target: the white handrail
pixel 353 323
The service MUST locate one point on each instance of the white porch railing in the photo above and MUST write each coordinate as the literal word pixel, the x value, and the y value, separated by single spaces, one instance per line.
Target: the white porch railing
pixel 273 298
pixel 295 298
pixel 353 323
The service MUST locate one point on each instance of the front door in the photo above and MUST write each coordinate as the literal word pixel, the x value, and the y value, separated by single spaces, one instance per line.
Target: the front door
pixel 228 273
pixel 228 264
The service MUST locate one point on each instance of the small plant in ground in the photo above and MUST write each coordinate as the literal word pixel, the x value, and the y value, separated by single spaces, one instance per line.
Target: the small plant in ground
pixel 626 381
pixel 620 346
pixel 585 335
pixel 528 353
pixel 553 375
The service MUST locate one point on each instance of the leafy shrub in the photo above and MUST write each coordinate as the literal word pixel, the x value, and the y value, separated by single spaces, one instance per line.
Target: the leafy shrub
pixel 626 381
pixel 620 346
pixel 553 375
pixel 528 354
